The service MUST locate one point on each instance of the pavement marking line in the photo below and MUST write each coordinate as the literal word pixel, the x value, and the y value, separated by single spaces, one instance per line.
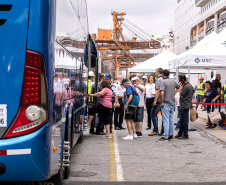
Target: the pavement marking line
pixel 117 158
pixel 112 161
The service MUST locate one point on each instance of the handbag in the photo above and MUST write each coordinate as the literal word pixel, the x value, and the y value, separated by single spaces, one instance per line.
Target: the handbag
pixel 193 114
pixel 215 116
pixel 222 122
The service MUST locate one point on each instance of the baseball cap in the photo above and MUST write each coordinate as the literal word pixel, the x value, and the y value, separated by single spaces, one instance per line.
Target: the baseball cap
pixel 125 80
pixel 145 77
pixel 107 76
pixel 201 78
pixel 135 78
pixel 91 74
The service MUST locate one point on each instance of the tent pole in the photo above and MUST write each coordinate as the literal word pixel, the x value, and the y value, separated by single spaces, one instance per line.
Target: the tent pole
pixel 189 68
pixel 176 111
pixel 189 122
pixel 189 118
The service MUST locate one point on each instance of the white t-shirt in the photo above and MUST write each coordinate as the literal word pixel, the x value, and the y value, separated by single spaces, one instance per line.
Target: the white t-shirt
pixel 150 90
pixel 119 89
pixel 141 96
pixel 177 99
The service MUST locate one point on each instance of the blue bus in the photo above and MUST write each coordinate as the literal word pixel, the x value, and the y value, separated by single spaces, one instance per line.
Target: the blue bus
pixel 45 56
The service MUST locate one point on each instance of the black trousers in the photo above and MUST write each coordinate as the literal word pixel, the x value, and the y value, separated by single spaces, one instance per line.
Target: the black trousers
pixel 101 109
pixel 149 104
pixel 100 126
pixel 118 114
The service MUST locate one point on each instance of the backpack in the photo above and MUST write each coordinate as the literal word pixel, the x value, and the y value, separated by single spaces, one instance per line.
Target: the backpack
pixel 135 101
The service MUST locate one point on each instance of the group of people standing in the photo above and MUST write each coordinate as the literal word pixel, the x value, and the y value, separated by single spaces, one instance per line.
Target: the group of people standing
pixel 159 93
pixel 160 97
pixel 210 92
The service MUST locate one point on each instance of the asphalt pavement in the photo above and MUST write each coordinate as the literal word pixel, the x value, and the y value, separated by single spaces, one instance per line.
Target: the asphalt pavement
pixel 199 160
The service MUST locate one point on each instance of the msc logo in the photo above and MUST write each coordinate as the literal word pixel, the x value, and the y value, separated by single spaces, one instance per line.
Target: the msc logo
pixel 197 60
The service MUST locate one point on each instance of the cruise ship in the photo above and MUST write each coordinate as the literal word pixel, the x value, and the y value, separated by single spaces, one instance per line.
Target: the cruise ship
pixel 195 19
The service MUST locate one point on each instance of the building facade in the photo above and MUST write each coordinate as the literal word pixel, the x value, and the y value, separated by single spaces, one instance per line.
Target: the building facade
pixel 195 19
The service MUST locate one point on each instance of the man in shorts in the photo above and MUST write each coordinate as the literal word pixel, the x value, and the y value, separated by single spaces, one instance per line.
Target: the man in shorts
pixel 140 108
pixel 130 114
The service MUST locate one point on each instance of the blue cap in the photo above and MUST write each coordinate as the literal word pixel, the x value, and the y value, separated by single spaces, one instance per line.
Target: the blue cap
pixel 107 76
pixel 125 80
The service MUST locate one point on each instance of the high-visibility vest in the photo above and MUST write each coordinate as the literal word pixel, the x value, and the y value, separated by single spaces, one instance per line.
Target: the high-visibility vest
pixel 142 83
pixel 224 90
pixel 89 89
pixel 200 92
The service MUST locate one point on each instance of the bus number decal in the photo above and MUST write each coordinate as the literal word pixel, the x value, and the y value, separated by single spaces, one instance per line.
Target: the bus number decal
pixel 3 115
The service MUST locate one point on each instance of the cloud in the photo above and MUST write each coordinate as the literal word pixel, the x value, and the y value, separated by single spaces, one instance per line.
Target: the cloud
pixel 155 17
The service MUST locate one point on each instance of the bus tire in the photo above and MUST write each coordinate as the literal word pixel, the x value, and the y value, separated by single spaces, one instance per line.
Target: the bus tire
pixel 80 139
pixel 67 169
pixel 58 178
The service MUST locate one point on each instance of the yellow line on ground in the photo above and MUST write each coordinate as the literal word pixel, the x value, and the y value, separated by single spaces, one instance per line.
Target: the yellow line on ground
pixel 215 127
pixel 221 129
pixel 113 170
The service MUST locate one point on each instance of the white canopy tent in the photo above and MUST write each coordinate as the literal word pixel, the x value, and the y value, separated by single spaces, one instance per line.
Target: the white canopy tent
pixel 150 65
pixel 160 60
pixel 199 45
pixel 209 53
pixel 210 56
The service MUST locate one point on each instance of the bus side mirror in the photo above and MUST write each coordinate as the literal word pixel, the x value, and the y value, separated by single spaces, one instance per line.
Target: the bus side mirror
pixel 93 61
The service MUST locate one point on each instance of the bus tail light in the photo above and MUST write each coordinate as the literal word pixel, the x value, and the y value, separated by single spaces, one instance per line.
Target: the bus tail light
pixel 33 111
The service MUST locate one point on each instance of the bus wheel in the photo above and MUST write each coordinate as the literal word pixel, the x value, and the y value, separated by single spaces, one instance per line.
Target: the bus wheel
pixel 58 178
pixel 67 149
pixel 80 139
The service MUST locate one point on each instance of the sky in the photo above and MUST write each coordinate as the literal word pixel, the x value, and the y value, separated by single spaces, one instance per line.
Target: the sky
pixel 153 16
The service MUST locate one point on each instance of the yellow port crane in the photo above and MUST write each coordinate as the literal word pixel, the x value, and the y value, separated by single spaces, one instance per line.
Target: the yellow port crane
pixel 120 47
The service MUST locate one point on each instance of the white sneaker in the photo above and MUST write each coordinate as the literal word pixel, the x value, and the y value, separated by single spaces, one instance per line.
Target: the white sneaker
pixel 109 137
pixel 134 136
pixel 129 137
